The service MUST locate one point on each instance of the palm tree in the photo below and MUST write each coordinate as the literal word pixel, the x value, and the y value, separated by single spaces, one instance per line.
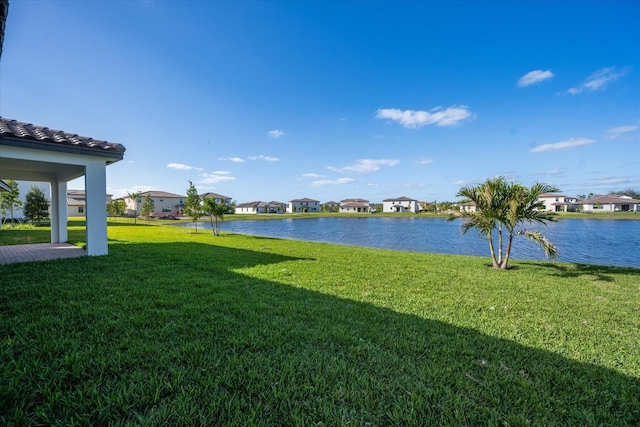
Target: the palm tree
pixel 503 206
pixel 216 213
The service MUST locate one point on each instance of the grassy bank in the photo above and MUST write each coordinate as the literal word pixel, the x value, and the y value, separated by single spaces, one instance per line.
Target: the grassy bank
pixel 174 327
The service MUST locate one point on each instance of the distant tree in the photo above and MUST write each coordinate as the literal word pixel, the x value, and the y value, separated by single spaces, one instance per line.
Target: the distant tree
pixel 10 200
pixel 630 192
pixel 134 197
pixel 193 205
pixel 446 206
pixel 36 206
pixel 503 206
pixel 216 213
pixel 585 196
pixel 148 206
pixel 116 208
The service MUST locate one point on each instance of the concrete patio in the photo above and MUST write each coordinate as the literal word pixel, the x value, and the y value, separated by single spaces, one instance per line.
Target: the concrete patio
pixel 39 252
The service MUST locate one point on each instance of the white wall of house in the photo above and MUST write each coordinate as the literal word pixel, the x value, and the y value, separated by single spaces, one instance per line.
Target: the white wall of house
pixel 76 210
pixel 611 207
pixel 162 205
pixel 400 205
pixel 557 202
pixel 245 209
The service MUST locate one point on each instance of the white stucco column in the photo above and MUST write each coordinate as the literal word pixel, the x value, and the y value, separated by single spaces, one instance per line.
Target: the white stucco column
pixel 59 212
pixel 95 185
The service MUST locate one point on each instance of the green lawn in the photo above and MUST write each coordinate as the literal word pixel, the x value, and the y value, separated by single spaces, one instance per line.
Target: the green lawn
pixel 177 328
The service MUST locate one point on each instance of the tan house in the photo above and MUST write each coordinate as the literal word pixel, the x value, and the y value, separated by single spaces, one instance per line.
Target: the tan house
pixel 354 205
pixel 164 204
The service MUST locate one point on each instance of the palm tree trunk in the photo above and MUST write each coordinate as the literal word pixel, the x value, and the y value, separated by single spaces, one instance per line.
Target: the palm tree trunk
pixel 499 244
pixel 505 264
pixel 493 253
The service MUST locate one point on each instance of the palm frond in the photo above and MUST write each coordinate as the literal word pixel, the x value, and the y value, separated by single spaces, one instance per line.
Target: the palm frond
pixel 550 250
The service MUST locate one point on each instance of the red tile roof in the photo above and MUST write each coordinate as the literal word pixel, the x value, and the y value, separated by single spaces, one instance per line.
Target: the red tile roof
pixel 26 131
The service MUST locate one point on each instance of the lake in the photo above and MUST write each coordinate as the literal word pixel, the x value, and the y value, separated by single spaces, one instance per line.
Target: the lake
pixel 586 241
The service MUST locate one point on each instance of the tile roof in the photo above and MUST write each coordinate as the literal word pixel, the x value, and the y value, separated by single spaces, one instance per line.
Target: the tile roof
pixel 26 131
pixel 609 198
pixel 304 200
pixel 400 199
pixel 213 196
pixel 161 194
pixel 354 201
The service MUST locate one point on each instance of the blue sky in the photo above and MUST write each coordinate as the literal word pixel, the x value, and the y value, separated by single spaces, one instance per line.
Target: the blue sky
pixel 277 100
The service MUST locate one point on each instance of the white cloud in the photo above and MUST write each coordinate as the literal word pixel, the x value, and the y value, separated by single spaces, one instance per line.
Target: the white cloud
pixel 326 182
pixel 123 192
pixel 533 77
pixel 276 133
pixel 232 159
pixel 617 132
pixel 265 158
pixel 423 162
pixel 366 165
pixel 312 175
pixel 609 181
pixel 569 143
pixel 599 80
pixel 180 166
pixel 553 172
pixel 411 119
pixel 215 177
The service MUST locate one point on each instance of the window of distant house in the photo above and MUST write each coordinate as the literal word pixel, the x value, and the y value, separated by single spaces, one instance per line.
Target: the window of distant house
pixel 80 209
pixel 166 209
pixel 557 199
pixel 139 200
pixel 162 200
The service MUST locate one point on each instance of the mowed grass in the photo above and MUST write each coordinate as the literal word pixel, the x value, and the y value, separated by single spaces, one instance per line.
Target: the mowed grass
pixel 178 328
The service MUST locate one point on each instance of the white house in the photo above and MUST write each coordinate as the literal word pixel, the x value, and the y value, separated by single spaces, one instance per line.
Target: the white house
pixel 400 204
pixel 303 205
pixel 558 203
pixel 354 205
pixel 610 203
pixel 164 203
pixel 259 207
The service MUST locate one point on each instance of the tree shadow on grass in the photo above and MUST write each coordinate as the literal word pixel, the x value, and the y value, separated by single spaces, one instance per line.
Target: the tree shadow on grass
pixel 180 333
pixel 600 272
